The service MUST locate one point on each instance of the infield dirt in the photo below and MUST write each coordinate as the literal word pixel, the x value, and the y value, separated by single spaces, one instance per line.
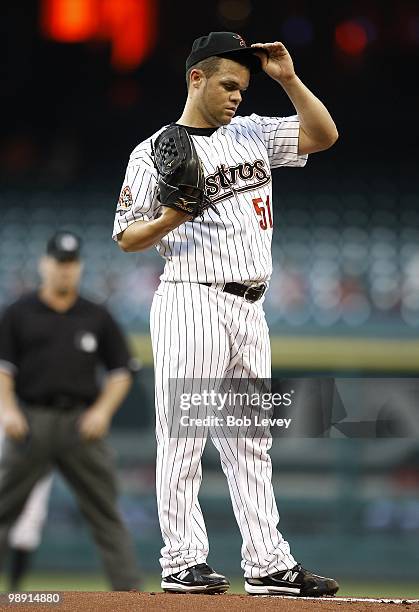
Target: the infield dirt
pixel 71 601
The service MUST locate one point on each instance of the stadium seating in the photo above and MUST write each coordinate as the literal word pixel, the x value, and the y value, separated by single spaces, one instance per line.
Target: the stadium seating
pixel 340 262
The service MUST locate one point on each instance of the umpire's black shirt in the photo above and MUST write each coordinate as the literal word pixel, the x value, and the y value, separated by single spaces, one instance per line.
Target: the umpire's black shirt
pixel 56 356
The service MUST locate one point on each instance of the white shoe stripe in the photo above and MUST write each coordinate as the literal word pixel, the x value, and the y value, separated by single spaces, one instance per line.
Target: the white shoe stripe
pixel 266 590
pixel 182 587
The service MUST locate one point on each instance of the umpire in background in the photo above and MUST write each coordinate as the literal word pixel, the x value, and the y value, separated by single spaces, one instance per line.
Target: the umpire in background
pixel 54 409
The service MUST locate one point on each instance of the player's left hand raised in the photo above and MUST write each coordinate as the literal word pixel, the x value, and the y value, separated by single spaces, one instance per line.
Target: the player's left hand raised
pixel 93 424
pixel 276 61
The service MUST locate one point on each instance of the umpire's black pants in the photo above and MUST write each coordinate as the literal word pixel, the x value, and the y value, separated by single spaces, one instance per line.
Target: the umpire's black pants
pixel 54 441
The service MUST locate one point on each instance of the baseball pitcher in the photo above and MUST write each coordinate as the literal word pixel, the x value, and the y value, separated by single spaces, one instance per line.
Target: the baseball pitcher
pixel 200 191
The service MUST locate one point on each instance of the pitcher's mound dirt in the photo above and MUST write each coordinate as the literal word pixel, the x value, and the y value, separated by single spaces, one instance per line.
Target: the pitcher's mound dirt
pixel 71 601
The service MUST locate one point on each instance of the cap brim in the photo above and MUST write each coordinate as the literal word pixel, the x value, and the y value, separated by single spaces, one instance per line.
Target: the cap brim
pixel 245 56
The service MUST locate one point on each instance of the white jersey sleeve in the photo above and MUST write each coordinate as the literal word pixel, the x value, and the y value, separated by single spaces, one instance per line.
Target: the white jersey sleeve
pixel 137 200
pixel 280 135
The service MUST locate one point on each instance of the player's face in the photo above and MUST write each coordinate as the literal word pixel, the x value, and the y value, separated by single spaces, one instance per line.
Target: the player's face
pixel 221 93
pixel 60 277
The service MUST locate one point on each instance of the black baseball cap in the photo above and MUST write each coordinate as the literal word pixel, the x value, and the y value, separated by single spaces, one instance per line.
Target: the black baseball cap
pixel 64 246
pixel 224 44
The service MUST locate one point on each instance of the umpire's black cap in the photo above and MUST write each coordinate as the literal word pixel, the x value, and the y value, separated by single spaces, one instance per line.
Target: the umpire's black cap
pixel 224 44
pixel 64 246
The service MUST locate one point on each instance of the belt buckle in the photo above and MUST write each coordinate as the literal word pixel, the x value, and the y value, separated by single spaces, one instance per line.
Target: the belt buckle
pixel 245 295
pixel 260 290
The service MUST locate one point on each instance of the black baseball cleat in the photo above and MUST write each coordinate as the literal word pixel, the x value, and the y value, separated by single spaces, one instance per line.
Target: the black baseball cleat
pixel 297 581
pixel 197 579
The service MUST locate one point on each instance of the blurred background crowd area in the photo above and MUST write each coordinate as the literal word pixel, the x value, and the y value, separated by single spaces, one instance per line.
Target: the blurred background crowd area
pixel 343 261
pixel 84 81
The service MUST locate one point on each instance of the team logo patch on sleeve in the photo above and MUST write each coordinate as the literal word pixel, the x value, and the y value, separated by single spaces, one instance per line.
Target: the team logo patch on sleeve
pixel 125 199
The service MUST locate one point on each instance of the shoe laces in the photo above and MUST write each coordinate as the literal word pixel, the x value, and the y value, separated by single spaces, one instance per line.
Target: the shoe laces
pixel 203 567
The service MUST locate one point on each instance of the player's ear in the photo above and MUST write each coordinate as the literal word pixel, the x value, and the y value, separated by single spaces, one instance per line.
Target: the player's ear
pixel 196 78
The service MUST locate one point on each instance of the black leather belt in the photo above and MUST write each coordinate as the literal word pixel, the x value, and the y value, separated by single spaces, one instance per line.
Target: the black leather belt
pixel 250 294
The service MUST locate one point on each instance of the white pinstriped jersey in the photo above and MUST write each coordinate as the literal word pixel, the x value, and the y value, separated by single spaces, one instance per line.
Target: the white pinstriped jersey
pixel 237 159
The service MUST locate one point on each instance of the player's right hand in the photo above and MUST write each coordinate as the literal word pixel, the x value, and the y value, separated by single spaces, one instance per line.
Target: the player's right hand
pixel 276 60
pixel 14 423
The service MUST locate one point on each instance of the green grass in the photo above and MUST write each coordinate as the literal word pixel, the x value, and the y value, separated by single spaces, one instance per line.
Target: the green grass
pixel 93 582
pixel 400 590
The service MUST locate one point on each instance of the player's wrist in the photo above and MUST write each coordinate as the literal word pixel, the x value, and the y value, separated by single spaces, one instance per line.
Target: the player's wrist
pixel 170 218
pixel 290 81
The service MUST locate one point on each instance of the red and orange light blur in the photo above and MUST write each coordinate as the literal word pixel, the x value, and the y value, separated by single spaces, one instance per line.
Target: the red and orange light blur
pixel 132 29
pixel 351 37
pixel 130 25
pixel 69 21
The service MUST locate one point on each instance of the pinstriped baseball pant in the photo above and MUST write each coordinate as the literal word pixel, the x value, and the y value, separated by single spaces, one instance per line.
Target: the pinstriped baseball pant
pixel 201 332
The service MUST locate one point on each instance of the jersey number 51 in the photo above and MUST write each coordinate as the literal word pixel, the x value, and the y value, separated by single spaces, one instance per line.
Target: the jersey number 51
pixel 261 212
